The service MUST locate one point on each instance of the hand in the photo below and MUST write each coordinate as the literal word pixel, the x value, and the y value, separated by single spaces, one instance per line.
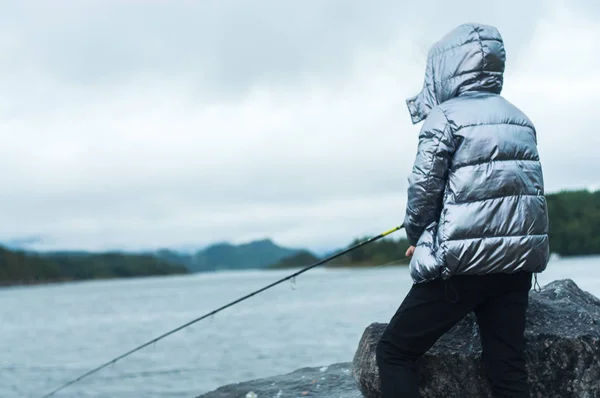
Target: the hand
pixel 410 251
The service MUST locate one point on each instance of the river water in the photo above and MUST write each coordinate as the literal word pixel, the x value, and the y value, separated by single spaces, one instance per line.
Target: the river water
pixel 53 333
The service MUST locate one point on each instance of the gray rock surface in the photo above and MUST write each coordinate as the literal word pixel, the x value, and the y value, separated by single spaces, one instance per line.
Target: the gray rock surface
pixel 563 351
pixel 334 381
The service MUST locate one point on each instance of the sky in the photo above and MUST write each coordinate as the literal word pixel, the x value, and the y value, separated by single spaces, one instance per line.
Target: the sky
pixel 135 125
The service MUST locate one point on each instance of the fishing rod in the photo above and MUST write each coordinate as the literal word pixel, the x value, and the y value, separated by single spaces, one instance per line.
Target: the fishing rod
pixel 292 276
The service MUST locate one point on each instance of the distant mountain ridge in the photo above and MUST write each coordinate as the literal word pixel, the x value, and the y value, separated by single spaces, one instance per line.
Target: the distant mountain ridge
pixel 219 256
pixel 227 256
pixel 30 266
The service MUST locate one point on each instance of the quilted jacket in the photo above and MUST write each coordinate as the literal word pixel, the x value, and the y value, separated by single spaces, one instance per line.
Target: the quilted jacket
pixel 476 200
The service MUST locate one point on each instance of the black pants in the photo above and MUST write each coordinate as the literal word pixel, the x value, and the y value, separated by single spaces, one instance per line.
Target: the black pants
pixel 431 309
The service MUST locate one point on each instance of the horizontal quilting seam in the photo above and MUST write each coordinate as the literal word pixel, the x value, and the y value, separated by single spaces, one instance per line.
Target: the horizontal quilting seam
pixel 492 198
pixel 498 237
pixel 466 72
pixel 462 165
pixel 473 40
pixel 494 124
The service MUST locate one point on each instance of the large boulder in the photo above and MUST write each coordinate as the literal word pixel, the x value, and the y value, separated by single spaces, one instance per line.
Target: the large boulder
pixel 563 351
pixel 334 381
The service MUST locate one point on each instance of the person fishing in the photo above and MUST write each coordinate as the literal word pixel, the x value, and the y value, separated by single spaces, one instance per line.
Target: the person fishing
pixel 476 217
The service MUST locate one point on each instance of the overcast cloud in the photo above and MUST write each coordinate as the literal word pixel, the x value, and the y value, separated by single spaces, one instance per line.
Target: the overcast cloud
pixel 145 124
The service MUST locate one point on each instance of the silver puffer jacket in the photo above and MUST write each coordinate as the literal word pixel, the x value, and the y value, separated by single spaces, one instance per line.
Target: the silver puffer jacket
pixel 476 200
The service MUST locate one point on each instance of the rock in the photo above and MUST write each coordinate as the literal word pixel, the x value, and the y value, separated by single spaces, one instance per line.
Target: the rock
pixel 563 351
pixel 320 382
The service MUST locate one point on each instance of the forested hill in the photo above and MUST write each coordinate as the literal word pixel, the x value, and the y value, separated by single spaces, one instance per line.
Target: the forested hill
pixel 19 267
pixel 574 222
pixel 226 256
pixel 574 230
pixel 383 252
pixel 26 267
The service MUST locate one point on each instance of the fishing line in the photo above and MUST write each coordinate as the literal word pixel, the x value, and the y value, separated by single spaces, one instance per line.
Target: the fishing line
pixel 210 314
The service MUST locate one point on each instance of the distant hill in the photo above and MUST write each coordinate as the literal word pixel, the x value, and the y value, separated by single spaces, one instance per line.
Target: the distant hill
pixel 19 267
pixel 383 252
pixel 226 256
pixel 300 259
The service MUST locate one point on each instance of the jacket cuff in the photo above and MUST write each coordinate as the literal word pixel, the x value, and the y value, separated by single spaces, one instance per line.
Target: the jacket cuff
pixel 411 231
pixel 411 240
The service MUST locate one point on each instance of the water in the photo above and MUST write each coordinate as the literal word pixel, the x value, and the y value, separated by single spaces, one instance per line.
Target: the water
pixel 51 334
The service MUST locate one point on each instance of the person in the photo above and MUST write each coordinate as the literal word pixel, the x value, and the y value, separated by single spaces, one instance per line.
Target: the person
pixel 476 217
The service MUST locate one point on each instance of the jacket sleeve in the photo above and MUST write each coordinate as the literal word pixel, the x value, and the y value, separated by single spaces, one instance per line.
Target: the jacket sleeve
pixel 427 180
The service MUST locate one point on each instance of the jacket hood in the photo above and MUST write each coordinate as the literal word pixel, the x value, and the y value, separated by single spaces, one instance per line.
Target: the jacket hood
pixel 470 58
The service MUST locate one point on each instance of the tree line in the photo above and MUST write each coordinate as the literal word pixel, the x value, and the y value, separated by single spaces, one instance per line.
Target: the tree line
pixel 574 222
pixel 20 267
